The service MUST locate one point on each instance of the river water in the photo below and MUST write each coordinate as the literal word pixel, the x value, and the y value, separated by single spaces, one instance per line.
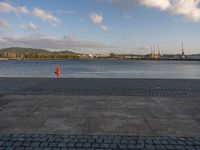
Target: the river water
pixel 102 69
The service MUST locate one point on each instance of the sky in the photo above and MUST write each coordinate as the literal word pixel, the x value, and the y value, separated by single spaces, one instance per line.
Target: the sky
pixel 101 26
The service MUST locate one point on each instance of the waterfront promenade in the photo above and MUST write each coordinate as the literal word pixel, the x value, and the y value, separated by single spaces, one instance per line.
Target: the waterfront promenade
pixel 100 87
pixel 99 113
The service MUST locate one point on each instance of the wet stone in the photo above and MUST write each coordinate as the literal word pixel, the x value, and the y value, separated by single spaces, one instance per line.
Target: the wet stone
pixel 100 142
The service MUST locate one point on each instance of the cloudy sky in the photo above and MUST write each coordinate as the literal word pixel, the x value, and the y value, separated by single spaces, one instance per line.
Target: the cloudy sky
pixel 101 26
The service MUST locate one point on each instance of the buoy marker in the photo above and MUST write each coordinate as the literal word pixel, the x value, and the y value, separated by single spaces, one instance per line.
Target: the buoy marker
pixel 57 72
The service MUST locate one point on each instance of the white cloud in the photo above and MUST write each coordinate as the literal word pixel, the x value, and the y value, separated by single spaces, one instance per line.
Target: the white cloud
pixel 6 8
pixel 103 27
pixel 4 24
pixel 49 42
pixel 189 9
pixel 9 8
pixel 36 12
pixel 47 16
pixel 161 4
pixel 30 26
pixel 23 10
pixel 98 20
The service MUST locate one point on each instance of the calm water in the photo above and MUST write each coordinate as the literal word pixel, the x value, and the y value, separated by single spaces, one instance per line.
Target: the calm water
pixel 102 69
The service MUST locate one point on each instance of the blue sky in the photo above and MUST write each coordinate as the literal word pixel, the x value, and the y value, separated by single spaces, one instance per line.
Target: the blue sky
pixel 101 26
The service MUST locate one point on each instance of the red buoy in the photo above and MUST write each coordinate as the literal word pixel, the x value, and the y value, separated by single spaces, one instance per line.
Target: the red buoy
pixel 57 72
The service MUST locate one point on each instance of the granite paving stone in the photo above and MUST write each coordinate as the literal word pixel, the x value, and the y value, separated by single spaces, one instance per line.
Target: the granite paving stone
pixel 114 87
pixel 142 144
pixel 99 114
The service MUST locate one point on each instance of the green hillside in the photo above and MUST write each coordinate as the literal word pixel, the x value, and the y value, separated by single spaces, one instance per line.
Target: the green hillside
pixel 31 53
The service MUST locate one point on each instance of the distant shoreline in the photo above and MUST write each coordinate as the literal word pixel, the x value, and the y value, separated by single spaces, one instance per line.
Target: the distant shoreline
pixel 103 59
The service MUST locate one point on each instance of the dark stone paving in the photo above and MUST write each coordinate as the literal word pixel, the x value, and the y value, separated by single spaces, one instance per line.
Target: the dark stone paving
pixel 71 142
pixel 166 111
pixel 98 87
pixel 100 115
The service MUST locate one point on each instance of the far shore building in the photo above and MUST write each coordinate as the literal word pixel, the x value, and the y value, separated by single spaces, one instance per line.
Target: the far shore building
pixel 129 56
pixel 101 55
pixel 84 56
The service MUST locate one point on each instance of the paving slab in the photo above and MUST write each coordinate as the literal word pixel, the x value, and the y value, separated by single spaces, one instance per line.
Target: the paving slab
pixel 178 127
pixel 65 125
pixel 87 115
pixel 79 113
pixel 20 124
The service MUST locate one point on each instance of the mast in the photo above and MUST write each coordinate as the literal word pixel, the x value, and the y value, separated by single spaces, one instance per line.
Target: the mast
pixel 183 52
pixel 158 51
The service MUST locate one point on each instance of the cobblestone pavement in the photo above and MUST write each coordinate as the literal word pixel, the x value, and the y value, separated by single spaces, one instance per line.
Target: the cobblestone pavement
pixel 72 114
pixel 71 142
pixel 111 87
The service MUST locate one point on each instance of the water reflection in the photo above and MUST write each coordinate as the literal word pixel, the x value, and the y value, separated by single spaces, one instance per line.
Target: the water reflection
pixel 102 69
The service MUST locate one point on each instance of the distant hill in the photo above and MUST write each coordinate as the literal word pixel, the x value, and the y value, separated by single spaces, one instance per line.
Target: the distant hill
pixel 20 50
pixel 67 52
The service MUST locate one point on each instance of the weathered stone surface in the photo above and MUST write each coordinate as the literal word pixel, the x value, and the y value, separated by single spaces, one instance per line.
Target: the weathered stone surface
pixel 87 115
pixel 60 141
pixel 108 87
pixel 137 114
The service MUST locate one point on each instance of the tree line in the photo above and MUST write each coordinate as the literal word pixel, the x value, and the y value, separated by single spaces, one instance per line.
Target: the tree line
pixel 53 55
